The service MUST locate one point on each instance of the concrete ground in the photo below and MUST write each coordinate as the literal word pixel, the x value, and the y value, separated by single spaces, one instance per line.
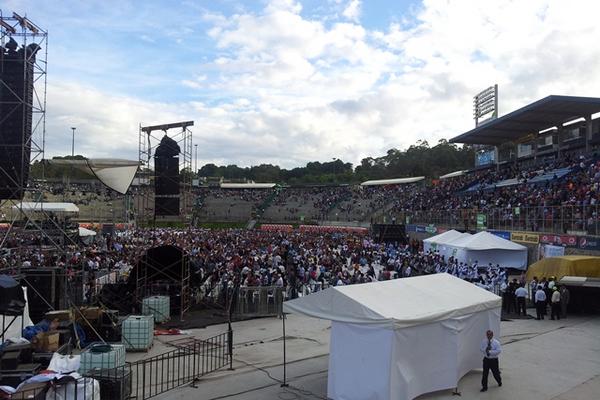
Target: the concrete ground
pixel 543 360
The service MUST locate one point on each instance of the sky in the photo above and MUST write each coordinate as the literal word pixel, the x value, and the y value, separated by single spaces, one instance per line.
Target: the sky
pixel 287 82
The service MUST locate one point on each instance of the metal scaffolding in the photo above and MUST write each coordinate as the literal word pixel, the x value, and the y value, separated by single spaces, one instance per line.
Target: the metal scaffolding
pixel 148 141
pixel 26 39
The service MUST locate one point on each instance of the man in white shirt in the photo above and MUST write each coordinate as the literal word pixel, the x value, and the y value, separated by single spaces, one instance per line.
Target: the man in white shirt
pixel 490 348
pixel 521 294
pixel 540 302
pixel 555 304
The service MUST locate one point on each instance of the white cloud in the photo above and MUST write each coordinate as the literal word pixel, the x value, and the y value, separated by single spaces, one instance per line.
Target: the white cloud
pixel 286 88
pixel 352 10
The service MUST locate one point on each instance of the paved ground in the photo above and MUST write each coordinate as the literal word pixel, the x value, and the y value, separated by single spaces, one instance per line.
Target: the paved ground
pixel 543 360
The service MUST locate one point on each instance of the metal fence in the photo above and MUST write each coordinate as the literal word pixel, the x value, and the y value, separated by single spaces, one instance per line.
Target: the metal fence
pixel 144 379
pixel 551 219
pixel 259 301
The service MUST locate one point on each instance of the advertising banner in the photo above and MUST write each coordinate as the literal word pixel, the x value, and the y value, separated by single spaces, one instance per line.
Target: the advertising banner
pixel 525 237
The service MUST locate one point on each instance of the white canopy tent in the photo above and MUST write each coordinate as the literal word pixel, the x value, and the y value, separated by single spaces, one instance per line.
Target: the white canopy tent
pixel 87 236
pixel 486 248
pixel 250 185
pixel 401 338
pixel 46 207
pixel 440 242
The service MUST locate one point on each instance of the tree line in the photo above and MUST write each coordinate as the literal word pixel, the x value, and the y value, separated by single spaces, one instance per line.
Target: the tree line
pixel 420 159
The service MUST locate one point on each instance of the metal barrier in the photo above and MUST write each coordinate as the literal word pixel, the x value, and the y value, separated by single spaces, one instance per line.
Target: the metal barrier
pixel 259 301
pixel 551 219
pixel 192 359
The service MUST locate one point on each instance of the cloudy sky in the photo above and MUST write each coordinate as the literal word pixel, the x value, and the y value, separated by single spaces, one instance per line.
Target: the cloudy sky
pixel 288 82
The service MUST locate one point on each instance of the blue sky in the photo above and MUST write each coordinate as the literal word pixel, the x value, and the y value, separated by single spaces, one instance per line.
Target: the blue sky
pixel 287 81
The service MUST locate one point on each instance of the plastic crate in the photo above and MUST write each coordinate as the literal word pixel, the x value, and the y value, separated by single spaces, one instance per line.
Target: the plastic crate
pixel 115 384
pixel 159 306
pixel 137 332
pixel 91 358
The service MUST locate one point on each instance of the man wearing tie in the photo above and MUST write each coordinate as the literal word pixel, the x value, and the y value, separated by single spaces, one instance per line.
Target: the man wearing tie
pixel 490 348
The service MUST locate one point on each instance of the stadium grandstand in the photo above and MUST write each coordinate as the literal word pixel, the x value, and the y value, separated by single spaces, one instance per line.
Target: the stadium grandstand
pixel 535 169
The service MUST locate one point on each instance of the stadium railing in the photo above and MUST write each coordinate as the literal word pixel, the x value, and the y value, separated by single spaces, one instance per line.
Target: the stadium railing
pixel 551 219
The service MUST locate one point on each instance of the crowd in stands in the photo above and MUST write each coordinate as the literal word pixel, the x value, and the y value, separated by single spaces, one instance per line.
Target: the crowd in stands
pixel 506 195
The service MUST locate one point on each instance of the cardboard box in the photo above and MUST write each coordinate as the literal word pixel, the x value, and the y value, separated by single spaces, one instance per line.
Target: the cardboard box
pixel 47 342
pixel 60 315
pixel 31 391
pixel 91 313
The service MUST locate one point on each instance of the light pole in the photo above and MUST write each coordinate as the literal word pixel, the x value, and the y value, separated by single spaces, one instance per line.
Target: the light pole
pixel 196 158
pixel 334 169
pixel 73 143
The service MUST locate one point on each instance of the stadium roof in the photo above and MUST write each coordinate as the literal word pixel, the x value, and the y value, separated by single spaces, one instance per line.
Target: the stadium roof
pixel 397 181
pixel 531 119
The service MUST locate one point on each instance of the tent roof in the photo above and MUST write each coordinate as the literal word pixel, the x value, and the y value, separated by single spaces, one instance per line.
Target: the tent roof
pixel 396 181
pixel 580 281
pixel 446 237
pixel 582 266
pixel 49 207
pixel 398 302
pixel 531 119
pixel 247 185
pixel 486 241
pixel 86 232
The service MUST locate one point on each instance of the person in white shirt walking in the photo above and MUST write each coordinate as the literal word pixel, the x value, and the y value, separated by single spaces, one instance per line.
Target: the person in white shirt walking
pixel 491 349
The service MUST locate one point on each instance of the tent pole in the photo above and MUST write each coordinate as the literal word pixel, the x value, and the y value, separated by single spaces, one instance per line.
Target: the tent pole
pixel 284 384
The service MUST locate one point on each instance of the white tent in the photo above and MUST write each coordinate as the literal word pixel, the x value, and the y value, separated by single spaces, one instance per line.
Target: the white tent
pixel 439 242
pixel 87 236
pixel 486 248
pixel 47 207
pixel 249 185
pixel 401 338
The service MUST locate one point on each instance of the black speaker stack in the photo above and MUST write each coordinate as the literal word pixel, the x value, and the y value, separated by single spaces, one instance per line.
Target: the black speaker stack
pixel 16 107
pixel 166 182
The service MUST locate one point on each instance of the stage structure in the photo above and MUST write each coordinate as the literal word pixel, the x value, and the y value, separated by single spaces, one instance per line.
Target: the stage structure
pixel 165 159
pixel 163 270
pixel 23 63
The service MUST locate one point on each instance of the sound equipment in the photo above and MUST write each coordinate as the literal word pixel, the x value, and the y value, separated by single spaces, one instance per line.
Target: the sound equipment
pixel 163 270
pixel 45 290
pixel 166 182
pixel 16 107
pixel 389 233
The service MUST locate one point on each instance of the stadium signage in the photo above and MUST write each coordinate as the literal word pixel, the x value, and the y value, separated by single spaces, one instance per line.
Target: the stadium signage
pixel 589 243
pixel 561 240
pixel 502 234
pixel 525 237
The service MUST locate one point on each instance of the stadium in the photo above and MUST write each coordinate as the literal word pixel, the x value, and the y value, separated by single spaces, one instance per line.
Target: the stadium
pixel 154 277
